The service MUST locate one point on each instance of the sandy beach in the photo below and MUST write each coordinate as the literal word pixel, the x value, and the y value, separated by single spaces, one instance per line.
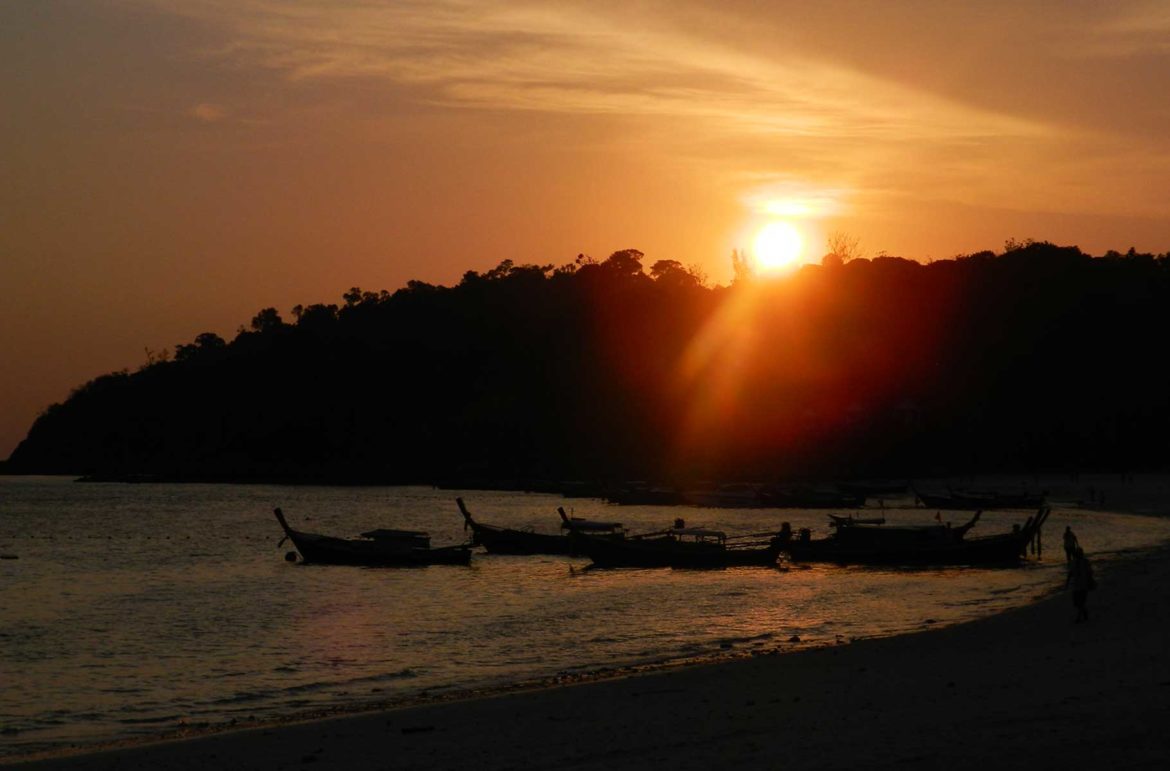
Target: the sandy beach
pixel 1027 688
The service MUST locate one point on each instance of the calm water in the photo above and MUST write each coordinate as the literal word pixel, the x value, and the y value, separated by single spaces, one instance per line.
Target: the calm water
pixel 134 610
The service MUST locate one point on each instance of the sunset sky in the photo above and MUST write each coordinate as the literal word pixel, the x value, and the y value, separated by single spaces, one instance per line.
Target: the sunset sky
pixel 169 167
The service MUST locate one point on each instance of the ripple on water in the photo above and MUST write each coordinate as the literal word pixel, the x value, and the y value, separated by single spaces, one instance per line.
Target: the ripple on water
pixel 107 637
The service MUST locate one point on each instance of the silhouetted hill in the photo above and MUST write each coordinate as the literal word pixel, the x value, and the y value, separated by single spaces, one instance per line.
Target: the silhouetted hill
pixel 1038 358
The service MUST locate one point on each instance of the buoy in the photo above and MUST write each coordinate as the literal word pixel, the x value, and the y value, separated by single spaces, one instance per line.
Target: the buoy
pixel 290 556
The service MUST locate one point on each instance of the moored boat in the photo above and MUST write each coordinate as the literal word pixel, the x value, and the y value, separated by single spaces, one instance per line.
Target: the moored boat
pixel 809 498
pixel 730 496
pixel 737 496
pixel 874 489
pixel 864 543
pixel 642 495
pixel 375 548
pixel 954 500
pixel 682 547
pixel 507 540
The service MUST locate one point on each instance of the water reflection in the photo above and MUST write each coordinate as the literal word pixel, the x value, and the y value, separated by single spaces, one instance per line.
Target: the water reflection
pixel 135 609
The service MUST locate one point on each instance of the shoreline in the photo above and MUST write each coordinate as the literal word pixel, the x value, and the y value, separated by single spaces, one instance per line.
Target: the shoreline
pixel 903 693
pixel 1060 483
pixel 196 731
pixel 908 658
pixel 204 730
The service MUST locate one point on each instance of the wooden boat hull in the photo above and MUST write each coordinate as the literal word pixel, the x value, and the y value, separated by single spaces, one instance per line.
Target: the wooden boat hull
pixel 991 550
pixel 928 546
pixel 328 550
pixel 500 540
pixel 668 553
pixel 505 540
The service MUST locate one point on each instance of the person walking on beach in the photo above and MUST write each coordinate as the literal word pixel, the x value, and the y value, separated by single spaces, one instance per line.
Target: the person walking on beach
pixel 1080 578
pixel 1070 544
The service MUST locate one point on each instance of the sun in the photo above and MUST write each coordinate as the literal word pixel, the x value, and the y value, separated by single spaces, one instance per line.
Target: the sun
pixel 777 247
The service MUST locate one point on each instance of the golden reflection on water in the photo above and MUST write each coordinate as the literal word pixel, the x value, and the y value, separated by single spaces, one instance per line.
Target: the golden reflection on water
pixel 133 608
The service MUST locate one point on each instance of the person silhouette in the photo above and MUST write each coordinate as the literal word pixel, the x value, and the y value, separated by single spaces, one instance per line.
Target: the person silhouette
pixel 1070 544
pixel 1080 578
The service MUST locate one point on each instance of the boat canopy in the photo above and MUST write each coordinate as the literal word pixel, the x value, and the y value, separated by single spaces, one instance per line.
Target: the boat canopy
pixel 576 523
pixel 837 520
pixel 698 532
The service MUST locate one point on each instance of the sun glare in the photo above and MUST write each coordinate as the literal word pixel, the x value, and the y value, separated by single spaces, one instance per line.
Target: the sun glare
pixel 777 247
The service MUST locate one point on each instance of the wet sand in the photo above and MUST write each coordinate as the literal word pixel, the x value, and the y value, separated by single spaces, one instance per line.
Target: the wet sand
pixel 1027 688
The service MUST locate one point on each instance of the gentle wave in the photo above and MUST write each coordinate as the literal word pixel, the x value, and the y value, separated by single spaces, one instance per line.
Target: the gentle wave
pixel 140 609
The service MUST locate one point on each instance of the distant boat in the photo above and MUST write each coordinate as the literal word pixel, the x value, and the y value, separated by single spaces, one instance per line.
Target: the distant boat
pixel 641 495
pixel 810 498
pixel 376 548
pixel 975 501
pixel 682 547
pixel 507 540
pixel 583 489
pixel 874 489
pixel 870 543
pixel 730 496
pixel 737 496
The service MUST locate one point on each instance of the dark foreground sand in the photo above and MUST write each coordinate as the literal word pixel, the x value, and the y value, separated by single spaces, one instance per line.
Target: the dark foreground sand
pixel 1024 689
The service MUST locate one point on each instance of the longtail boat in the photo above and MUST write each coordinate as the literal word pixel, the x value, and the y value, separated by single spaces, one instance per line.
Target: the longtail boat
pixel 507 540
pixel 955 500
pixel 864 543
pixel 737 496
pixel 682 547
pixel 375 548
pixel 641 495
pixel 874 489
pixel 810 498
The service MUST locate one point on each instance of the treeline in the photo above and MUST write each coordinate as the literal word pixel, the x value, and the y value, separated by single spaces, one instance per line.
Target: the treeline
pixel 1038 358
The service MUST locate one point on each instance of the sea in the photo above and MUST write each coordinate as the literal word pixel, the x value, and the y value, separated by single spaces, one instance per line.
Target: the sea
pixel 135 611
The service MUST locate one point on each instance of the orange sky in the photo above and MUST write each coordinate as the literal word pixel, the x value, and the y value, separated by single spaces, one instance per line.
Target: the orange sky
pixel 168 167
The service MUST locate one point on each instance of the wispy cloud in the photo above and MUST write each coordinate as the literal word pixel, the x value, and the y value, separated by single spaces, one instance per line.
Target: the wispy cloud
pixel 208 112
pixel 791 114
pixel 580 58
pixel 1135 29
